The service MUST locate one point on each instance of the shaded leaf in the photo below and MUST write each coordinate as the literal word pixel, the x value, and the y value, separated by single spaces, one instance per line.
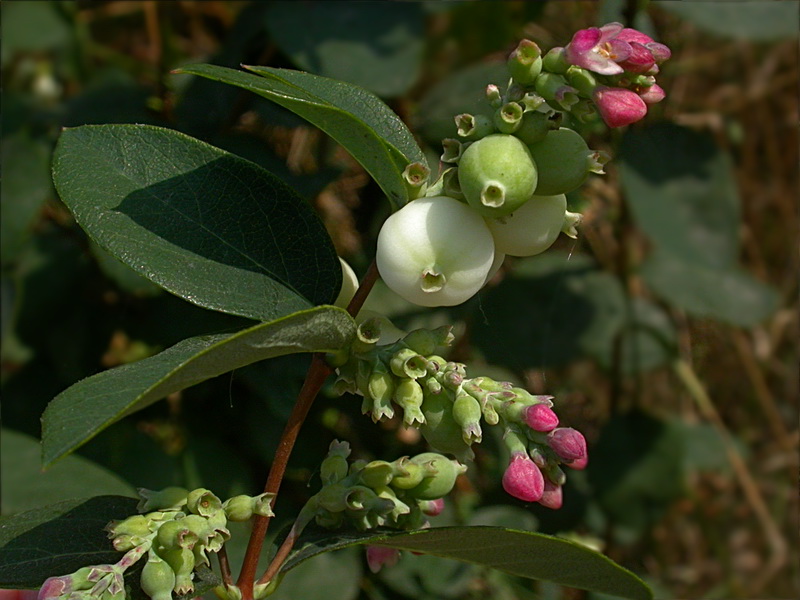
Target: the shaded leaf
pixel 207 226
pixel 86 408
pixel 328 576
pixel 682 192
pixel 354 117
pixel 378 46
pixel 25 486
pixel 731 295
pixel 748 19
pixel 58 539
pixel 526 554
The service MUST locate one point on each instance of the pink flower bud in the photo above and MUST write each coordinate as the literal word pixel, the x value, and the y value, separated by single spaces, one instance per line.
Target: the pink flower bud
pixel 618 106
pixel 568 443
pixel 655 93
pixel 377 556
pixel 540 417
pixel 432 508
pixel 55 587
pixel 523 479
pixel 552 497
pixel 579 464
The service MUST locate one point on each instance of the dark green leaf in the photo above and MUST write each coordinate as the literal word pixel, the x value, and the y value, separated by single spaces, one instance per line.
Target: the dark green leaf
pixel 682 192
pixel 32 27
pixel 79 413
pixel 748 19
pixel 24 486
pixel 25 186
pixel 730 295
pixel 377 46
pixel 58 539
pixel 352 116
pixel 329 576
pixel 522 553
pixel 207 226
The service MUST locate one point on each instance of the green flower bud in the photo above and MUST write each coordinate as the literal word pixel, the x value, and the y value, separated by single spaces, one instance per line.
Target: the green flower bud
pixel 415 177
pixel 167 499
pixel 174 534
pixel 182 562
pixel 158 579
pixel 198 525
pixel 136 525
pixel 408 363
pixel 407 474
pixel 332 470
pixel 508 117
pixel 377 473
pixel 126 541
pixel 399 507
pixel 525 62
pixel 555 61
pixel 203 502
pixel 408 394
pixel 554 473
pixel 425 341
pixel 445 472
pixel 564 162
pixel 532 229
pixel 493 95
pixel 474 127
pixel 452 150
pixel 368 334
pixel 333 498
pixel 556 91
pixel 440 429
pixel 536 125
pixel 582 80
pixel 467 413
pixel 240 508
pixel 381 388
pixel 497 175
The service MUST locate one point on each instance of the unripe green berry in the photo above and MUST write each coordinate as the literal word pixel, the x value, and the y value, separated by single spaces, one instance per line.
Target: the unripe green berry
pixel 434 252
pixel 158 579
pixel 203 502
pixel 442 482
pixel 536 125
pixel 525 62
pixel 407 474
pixel 440 429
pixel 497 175
pixel 174 534
pixel 467 413
pixel 508 117
pixel 408 394
pixel 474 127
pixel 564 161
pixel 182 562
pixel 376 474
pixel 532 228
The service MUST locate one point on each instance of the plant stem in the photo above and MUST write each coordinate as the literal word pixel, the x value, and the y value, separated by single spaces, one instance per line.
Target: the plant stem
pixel 315 377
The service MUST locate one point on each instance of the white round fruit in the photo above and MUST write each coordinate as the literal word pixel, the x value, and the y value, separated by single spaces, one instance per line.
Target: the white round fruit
pixel 532 228
pixel 435 252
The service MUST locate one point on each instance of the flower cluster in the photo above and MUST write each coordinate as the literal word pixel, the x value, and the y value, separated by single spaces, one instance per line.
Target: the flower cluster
pixel 176 532
pixel 626 62
pixel 450 409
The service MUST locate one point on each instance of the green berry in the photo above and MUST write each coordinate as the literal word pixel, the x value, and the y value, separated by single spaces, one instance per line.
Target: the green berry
pixel 564 160
pixel 445 472
pixel 497 175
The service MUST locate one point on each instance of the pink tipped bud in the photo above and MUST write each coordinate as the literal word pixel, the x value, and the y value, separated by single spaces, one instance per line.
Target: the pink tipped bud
pixel 568 443
pixel 432 508
pixel 540 417
pixel 579 464
pixel 619 106
pixel 523 479
pixel 377 556
pixel 652 95
pixel 552 497
pixel 55 587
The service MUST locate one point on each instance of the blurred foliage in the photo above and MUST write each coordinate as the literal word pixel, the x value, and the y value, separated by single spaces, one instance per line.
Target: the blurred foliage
pixel 667 332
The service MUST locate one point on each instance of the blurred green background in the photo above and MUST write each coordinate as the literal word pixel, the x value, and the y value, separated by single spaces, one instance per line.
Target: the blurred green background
pixel 667 332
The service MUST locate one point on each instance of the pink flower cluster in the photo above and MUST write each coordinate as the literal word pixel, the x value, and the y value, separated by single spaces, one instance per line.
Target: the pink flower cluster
pixel 525 477
pixel 630 60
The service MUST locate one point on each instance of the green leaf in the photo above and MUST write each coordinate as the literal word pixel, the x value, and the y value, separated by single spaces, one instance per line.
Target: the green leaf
pixel 682 192
pixel 86 408
pixel 354 117
pixel 378 46
pixel 204 224
pixel 748 19
pixel 328 576
pixel 25 186
pixel 58 539
pixel 522 553
pixel 731 295
pixel 24 486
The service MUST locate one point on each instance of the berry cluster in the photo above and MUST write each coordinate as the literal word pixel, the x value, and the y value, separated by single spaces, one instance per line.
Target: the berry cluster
pixel 437 397
pixel 176 532
pixel 504 193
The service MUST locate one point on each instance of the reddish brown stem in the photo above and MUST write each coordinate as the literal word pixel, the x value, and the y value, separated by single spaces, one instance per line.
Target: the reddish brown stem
pixel 315 377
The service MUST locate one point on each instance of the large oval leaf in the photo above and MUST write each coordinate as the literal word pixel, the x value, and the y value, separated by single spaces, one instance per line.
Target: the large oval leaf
pixel 522 553
pixel 58 539
pixel 206 225
pixel 24 486
pixel 86 408
pixel 746 19
pixel 354 117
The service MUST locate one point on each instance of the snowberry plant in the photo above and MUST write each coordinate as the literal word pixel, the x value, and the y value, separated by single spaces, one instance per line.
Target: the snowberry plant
pixel 226 235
